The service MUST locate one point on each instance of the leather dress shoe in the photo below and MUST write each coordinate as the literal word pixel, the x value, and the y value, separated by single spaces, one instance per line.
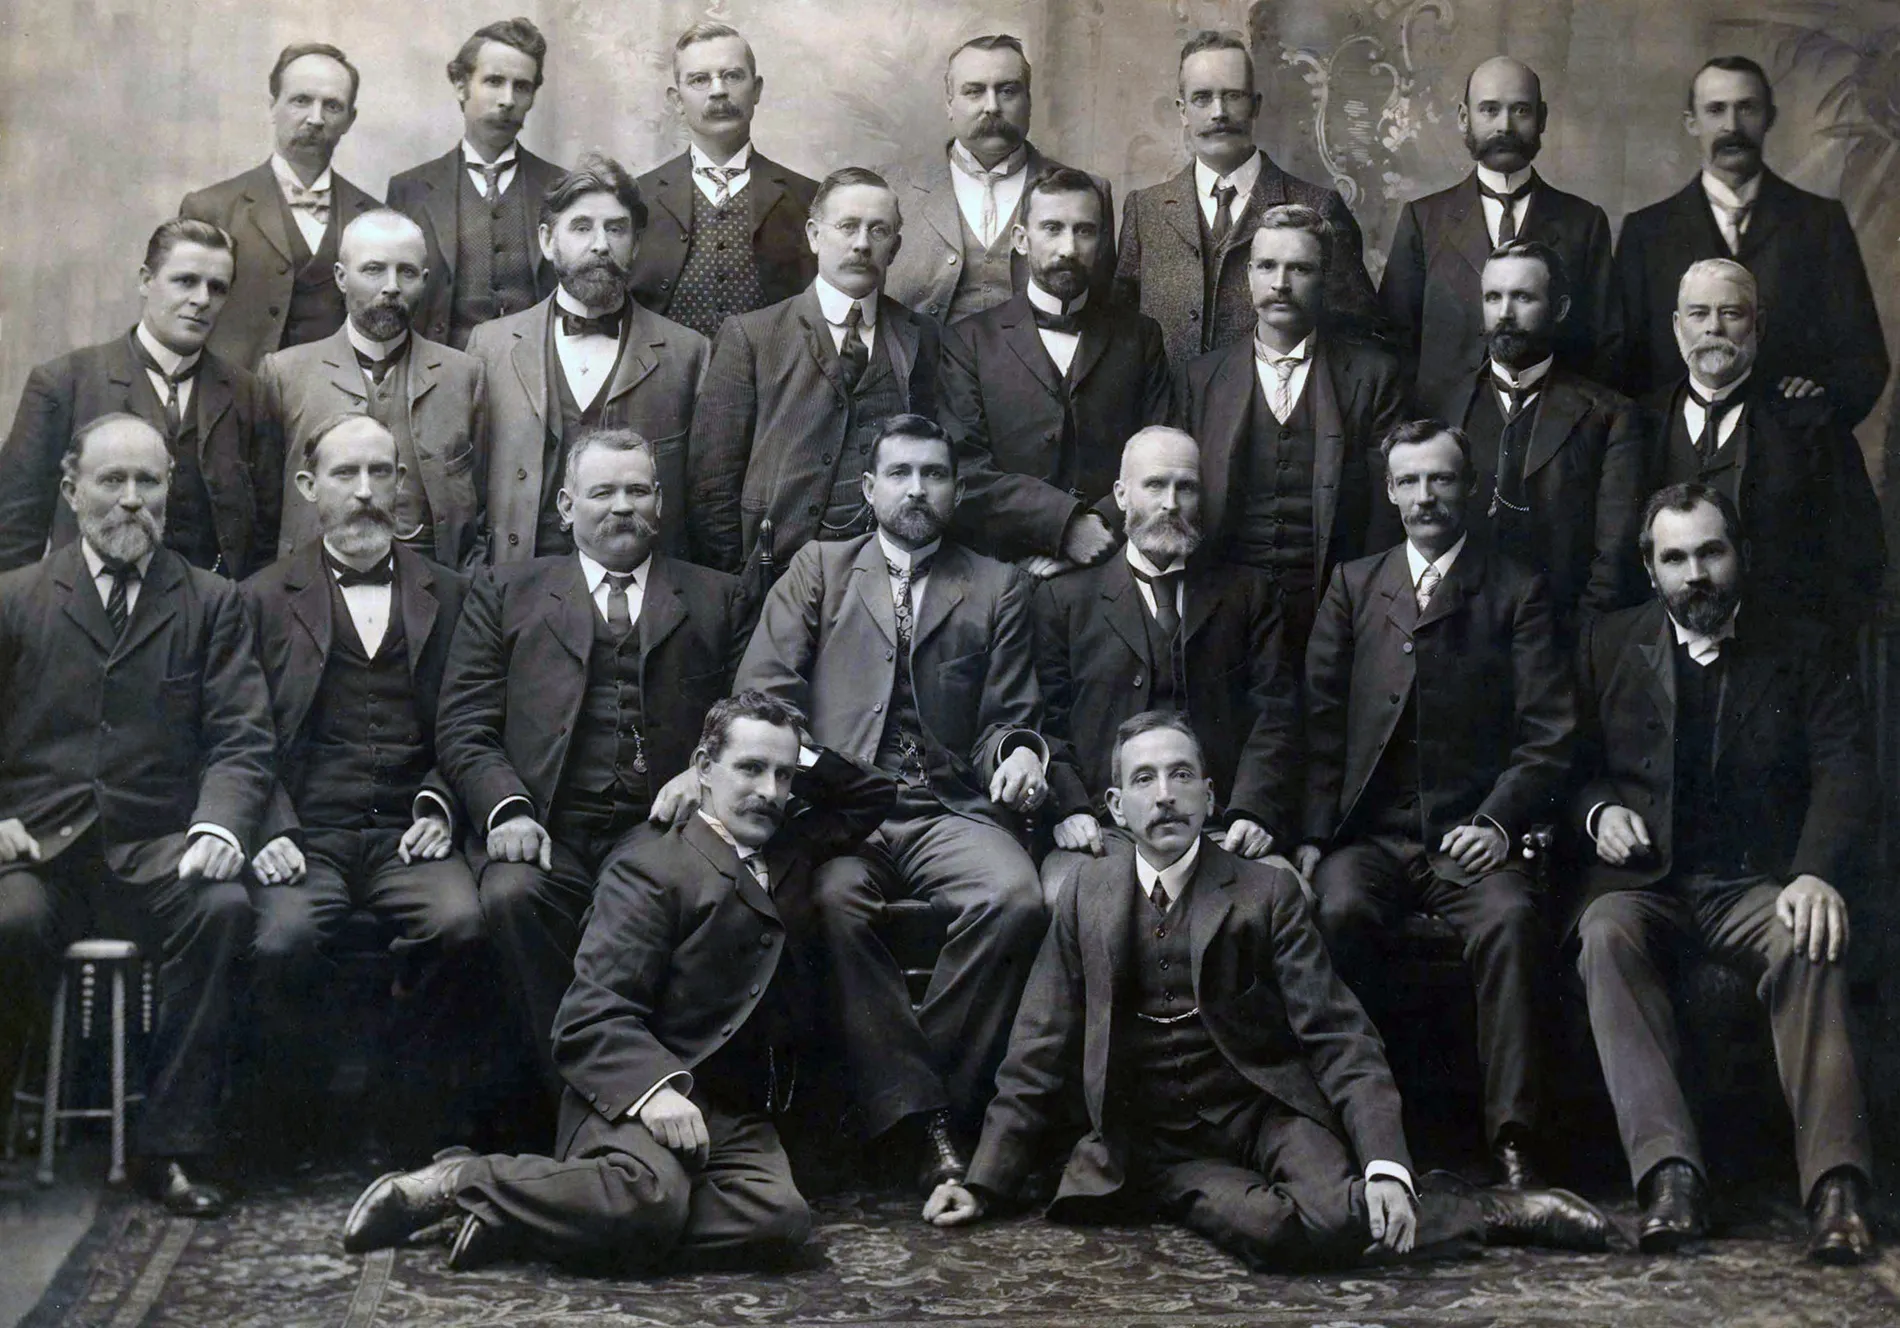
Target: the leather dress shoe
pixel 1516 1171
pixel 1677 1210
pixel 400 1203
pixel 166 1180
pixel 1837 1228
pixel 476 1245
pixel 942 1159
pixel 1552 1219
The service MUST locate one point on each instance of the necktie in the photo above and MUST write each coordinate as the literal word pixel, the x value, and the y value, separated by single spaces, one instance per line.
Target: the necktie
pixel 1283 366
pixel 379 369
pixel 118 607
pixel 900 597
pixel 1513 441
pixel 1507 216
pixel 580 325
pixel 1428 585
pixel 1519 396
pixel 382 574
pixel 174 412
pixel 1068 322
pixel 854 357
pixel 1158 897
pixel 1737 223
pixel 619 617
pixel 1713 413
pixel 314 201
pixel 1223 214
pixel 760 873
pixel 1162 585
pixel 491 178
pixel 721 177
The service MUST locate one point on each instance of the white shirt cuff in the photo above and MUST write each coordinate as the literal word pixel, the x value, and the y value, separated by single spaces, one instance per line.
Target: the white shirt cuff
pixel 1391 1171
pixel 679 1079
pixel 216 832
pixel 429 803
pixel 1590 819
pixel 514 805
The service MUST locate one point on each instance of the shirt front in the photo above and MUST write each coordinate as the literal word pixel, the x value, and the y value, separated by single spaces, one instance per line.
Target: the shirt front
pixel 1143 564
pixel 1505 184
pixel 1703 647
pixel 369 605
pixel 364 344
pixel 904 558
pixel 968 177
pixel 1242 178
pixel 288 183
pixel 585 360
pixel 836 306
pixel 171 362
pixel 508 159
pixel 598 589
pixel 1722 204
pixel 741 161
pixel 1695 416
pixel 1060 345
pixel 1281 402
pixel 1527 381
pixel 752 859
pixel 1418 562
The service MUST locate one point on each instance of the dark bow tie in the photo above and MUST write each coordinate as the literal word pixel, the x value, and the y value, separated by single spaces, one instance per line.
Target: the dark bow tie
pixel 382 574
pixel 1069 323
pixel 579 325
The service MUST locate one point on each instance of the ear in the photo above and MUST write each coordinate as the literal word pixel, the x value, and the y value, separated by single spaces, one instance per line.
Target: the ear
pixel 1563 309
pixel 956 494
pixel 758 88
pixel 145 281
pixel 1114 798
pixel 673 101
pixel 1689 123
pixel 337 270
pixel 1464 118
pixel 1121 496
pixel 66 489
pixel 1543 115
pixel 1258 99
pixel 811 233
pixel 1019 239
pixel 545 233
pixel 1391 490
pixel 307 485
pixel 865 481
pixel 564 504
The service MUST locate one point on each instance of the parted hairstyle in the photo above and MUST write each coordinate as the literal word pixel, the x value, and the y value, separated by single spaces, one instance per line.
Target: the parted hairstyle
pixel 606 440
pixel 297 51
pixel 1064 180
pixel 185 230
pixel 595 173
pixel 1148 721
pixel 329 424
pixel 912 426
pixel 711 30
pixel 519 33
pixel 1686 496
pixel 1558 287
pixel 995 41
pixel 1299 217
pixel 1409 432
pixel 752 704
pixel 844 178
pixel 1211 39
pixel 1735 64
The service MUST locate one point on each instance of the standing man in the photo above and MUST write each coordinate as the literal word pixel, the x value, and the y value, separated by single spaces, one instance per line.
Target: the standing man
pixel 431 399
pixel 1560 458
pixel 1729 785
pixel 221 504
pixel 1231 1081
pixel 587 357
pixel 797 392
pixel 1289 420
pixel 1439 727
pixel 572 694
pixel 1156 630
pixel 728 235
pixel 1184 241
pixel 966 199
pixel 135 761
pixel 286 214
pixel 478 203
pixel 668 1151
pixel 1790 467
pixel 1826 333
pixel 1430 290
pixel 353 630
pixel 1041 391
pixel 916 655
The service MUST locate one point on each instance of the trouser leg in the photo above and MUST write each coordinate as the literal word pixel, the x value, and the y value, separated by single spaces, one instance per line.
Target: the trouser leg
pixel 293 982
pixel 1061 864
pixel 35 922
pixel 1361 891
pixel 533 919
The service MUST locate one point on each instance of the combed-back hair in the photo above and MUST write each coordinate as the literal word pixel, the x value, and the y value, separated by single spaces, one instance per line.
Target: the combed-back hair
pixel 752 704
pixel 1212 39
pixel 1686 496
pixel 595 173
pixel 1148 721
pixel 519 33
pixel 1299 217
pixel 1409 432
pixel 1735 64
pixel 606 440
pixel 844 178
pixel 912 426
pixel 297 51
pixel 1558 287
pixel 185 230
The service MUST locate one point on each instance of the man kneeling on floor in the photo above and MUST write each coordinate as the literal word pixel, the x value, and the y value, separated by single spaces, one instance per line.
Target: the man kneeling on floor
pixel 1233 1082
pixel 679 1038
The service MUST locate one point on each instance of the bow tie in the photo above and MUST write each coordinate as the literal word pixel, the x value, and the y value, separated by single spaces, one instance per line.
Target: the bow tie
pixel 580 325
pixel 1068 323
pixel 314 201
pixel 382 574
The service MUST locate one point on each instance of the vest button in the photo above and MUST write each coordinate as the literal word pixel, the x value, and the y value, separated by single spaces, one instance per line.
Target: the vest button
pixel 825 459
pixel 811 510
pixel 890 654
pixel 273 310
pixel 765 938
pixel 665 284
pixel 282 268
pixel 514 539
pixel 521 472
pixel 1194 315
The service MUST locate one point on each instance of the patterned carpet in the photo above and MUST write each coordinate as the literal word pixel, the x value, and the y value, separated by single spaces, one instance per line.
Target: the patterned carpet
pixel 277 1263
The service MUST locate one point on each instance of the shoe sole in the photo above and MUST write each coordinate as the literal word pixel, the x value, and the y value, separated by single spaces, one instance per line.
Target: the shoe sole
pixel 349 1223
pixel 1666 1242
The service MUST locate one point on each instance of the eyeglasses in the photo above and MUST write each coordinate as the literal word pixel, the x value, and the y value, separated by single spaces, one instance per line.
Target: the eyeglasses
pixel 1230 98
pixel 879 231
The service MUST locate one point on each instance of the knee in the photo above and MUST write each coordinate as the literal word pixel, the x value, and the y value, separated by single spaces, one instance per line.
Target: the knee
pixel 643 1209
pixel 1608 933
pixel 1015 904
pixel 786 1222
pixel 844 892
pixel 27 922
pixel 1055 872
pixel 1510 915
pixel 1346 910
pixel 223 909
pixel 510 893
pixel 284 936
pixel 457 921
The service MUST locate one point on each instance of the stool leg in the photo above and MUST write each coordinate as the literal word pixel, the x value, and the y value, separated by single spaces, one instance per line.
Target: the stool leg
pixel 55 1068
pixel 116 1176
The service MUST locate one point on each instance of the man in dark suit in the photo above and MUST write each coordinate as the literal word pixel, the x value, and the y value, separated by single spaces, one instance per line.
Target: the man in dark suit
pixel 1154 630
pixel 222 507
pixel 1430 291
pixel 571 686
pixel 676 1057
pixel 916 655
pixel 479 203
pixel 353 631
pixel 1560 458
pixel 286 215
pixel 1789 465
pixel 965 198
pixel 797 392
pixel 1727 786
pixel 1439 727
pixel 1288 421
pixel 431 398
pixel 1826 332
pixel 1184 241
pixel 728 235
pixel 135 760
pixel 1232 1082
pixel 587 357
pixel 1041 392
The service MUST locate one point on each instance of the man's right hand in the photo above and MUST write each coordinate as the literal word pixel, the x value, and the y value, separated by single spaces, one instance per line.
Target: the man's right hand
pixel 952 1204
pixel 1080 833
pixel 1621 835
pixel 279 862
pixel 16 843
pixel 671 1117
pixel 677 800
pixel 521 839
pixel 1305 861
pixel 1087 540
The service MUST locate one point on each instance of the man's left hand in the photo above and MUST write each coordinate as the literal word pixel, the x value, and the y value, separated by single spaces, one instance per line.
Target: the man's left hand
pixel 1796 388
pixel 1817 915
pixel 678 799
pixel 1390 1213
pixel 426 840
pixel 1476 848
pixel 209 858
pixel 1245 839
pixel 1018 782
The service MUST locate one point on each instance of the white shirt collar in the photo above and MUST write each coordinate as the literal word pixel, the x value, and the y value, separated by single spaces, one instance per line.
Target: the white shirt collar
pixel 1721 195
pixel 837 305
pixel 1703 646
pixel 287 176
pixel 1442 562
pixel 1242 177
pixel 330 549
pixel 1299 353
pixel 1051 304
pixel 718 827
pixel 1714 394
pixel 964 160
pixel 595 573
pixel 168 359
pixel 368 345
pixel 739 161
pixel 1173 877
pixel 1142 563
pixel 472 158
pixel 1505 184
pixel 572 304
pixel 1522 379
pixel 96 563
pixel 898 557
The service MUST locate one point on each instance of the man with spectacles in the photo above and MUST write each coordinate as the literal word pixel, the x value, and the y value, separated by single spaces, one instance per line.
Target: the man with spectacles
pixel 797 392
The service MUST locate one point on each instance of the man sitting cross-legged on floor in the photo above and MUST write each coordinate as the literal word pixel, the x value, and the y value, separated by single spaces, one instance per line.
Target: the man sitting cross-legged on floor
pixel 1233 1082
pixel 680 1037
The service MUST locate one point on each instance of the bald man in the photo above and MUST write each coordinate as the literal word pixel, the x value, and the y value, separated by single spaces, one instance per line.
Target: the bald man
pixel 432 398
pixel 1430 291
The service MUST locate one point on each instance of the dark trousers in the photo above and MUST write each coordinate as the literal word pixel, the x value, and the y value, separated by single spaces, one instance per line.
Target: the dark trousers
pixel 437 947
pixel 1629 941
pixel 1365 888
pixel 196 930
pixel 615 1196
pixel 979 879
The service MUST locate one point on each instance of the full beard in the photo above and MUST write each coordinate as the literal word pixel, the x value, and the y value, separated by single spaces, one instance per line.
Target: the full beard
pixel 598 283
pixel 365 534
pixel 1163 536
pixel 1516 348
pixel 1702 609
pixel 915 524
pixel 382 322
pixel 123 537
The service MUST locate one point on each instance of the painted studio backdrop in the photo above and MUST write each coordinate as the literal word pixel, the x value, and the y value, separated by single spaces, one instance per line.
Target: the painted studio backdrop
pixel 110 110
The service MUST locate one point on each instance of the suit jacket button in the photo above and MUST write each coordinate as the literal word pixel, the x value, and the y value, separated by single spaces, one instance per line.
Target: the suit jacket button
pixel 755 989
pixel 1407 647
pixel 1393 698
pixel 890 654
pixel 726 1031
pixel 825 459
pixel 282 268
pixel 66 830
pixel 514 539
pixel 1138 681
pixel 811 509
pixel 1194 315
pixel 948 258
pixel 273 311
pixel 877 707
pixel 665 284
pixel 521 472
pixel 765 938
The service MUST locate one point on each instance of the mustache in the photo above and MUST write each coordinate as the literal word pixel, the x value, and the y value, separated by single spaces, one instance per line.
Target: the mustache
pixel 635 523
pixel 1735 139
pixel 763 808
pixel 1505 138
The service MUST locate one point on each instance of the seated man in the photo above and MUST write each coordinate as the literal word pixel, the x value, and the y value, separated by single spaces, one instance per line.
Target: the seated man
pixel 915 654
pixel 353 631
pixel 1728 784
pixel 1439 726
pixel 1150 630
pixel 1233 1082
pixel 680 1038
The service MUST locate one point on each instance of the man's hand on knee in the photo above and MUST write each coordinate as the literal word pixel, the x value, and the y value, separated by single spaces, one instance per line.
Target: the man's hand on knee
pixel 210 858
pixel 1305 862
pixel 15 843
pixel 1476 848
pixel 279 862
pixel 428 839
pixel 1391 1214
pixel 671 1117
pixel 952 1204
pixel 1817 915
pixel 521 839
pixel 1621 835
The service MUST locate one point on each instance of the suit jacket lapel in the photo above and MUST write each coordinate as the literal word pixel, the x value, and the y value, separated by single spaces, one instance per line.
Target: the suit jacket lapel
pixel 661 609
pixel 1200 597
pixel 415 585
pixel 1329 450
pixel 339 357
pixel 1763 218
pixel 573 617
pixel 308 592
pixel 439 202
pixel 1465 575
pixel 156 605
pixel 1123 609
pixel 1746 684
pixel 1558 415
pixel 1104 921
pixel 266 209
pixel 1469 233
pixel 1208 903
pixel 675 191
pixel 637 359
pixel 530 357
pixel 936 202
pixel 1096 335
pixel 872 580
pixel 211 402
pixel 1395 583
pixel 724 859
pixel 425 360
pixel 1230 399
pixel 1657 653
pixel 942 593
pixel 81 594
pixel 763 191
pixel 811 315
pixel 1021 336
pixel 1181 206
